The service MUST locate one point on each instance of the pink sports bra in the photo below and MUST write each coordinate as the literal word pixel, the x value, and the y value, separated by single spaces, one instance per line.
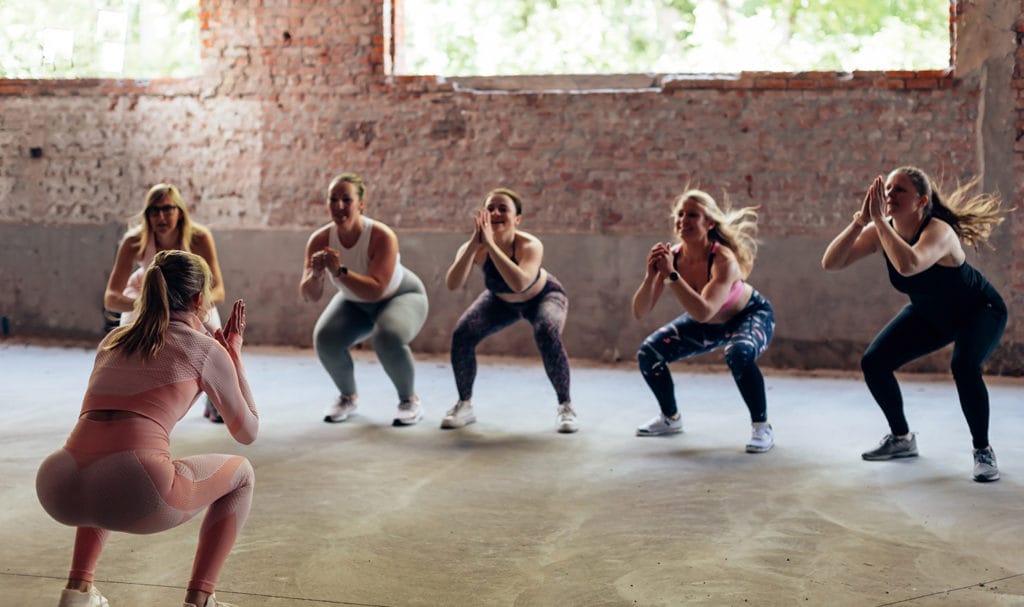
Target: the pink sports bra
pixel 735 291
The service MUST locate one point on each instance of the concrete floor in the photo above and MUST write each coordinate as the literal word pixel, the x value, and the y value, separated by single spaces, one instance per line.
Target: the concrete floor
pixel 507 512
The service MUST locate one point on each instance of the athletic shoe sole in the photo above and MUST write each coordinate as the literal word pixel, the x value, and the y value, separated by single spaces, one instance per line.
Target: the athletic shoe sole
pixel 663 433
pixel 882 458
pixel 407 422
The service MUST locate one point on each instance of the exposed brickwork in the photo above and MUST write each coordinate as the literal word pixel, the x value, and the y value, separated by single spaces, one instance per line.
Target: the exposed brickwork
pixel 294 91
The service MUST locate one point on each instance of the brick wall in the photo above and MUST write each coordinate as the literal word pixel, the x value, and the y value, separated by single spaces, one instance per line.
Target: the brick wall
pixel 293 92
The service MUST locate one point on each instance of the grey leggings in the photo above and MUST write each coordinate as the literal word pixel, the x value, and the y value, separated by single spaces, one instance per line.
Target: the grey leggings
pixel 390 323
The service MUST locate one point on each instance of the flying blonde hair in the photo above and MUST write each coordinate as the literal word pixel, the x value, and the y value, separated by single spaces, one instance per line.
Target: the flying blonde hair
pixel 736 229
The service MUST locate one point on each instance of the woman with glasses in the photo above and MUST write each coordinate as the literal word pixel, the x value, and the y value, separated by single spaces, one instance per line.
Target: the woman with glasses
pixel 163 225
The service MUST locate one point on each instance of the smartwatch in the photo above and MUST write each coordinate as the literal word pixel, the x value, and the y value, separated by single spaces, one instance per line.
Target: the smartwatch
pixel 673 276
pixel 341 270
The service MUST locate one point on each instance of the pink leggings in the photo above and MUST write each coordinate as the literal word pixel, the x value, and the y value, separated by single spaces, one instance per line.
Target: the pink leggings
pixel 119 476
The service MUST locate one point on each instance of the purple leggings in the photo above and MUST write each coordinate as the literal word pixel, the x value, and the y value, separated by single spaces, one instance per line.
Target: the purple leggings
pixel 488 314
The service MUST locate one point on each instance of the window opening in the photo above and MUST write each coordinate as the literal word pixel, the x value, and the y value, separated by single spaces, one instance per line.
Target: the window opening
pixel 525 37
pixel 138 39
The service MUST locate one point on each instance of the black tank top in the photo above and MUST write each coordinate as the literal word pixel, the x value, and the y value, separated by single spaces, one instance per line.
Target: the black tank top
pixel 944 294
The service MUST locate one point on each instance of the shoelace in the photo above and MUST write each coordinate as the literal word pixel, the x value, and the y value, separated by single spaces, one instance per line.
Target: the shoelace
pixel 406 405
pixel 566 411
pixel 457 408
pixel 985 457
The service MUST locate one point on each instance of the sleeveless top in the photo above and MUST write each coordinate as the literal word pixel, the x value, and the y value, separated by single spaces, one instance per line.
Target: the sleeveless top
pixel 942 293
pixel 357 259
pixel 493 280
pixel 735 291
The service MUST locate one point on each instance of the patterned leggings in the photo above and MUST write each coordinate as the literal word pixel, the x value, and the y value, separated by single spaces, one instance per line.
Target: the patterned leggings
pixel 488 314
pixel 119 476
pixel 745 337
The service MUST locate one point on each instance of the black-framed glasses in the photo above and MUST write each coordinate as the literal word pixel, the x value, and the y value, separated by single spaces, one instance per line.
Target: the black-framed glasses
pixel 166 209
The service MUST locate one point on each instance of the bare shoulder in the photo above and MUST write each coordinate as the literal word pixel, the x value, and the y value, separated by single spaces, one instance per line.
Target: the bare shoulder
pixel 938 227
pixel 529 240
pixel 382 235
pixel 202 237
pixel 131 239
pixel 320 237
pixel 724 255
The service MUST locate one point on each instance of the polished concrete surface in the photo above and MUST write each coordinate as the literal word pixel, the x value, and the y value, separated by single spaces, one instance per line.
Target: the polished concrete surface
pixel 508 512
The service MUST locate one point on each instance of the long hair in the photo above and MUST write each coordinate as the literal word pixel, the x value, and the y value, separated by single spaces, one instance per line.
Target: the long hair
pixel 736 229
pixel 972 217
pixel 187 229
pixel 171 283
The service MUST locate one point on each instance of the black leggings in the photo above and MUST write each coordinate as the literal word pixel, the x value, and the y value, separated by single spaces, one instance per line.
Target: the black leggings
pixel 910 335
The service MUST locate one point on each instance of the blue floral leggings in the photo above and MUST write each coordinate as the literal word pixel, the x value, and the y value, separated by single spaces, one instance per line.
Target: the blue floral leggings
pixel 745 337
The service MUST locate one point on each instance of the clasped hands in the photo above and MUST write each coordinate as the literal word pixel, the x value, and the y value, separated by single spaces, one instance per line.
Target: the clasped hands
pixel 873 206
pixel 659 260
pixel 483 231
pixel 326 259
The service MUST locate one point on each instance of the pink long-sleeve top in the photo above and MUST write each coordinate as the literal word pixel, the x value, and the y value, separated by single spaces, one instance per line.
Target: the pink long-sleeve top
pixel 164 387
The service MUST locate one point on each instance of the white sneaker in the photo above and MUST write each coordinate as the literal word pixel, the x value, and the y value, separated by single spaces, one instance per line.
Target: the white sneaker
pixel 340 409
pixel 409 412
pixel 459 416
pixel 77 598
pixel 660 426
pixel 985 469
pixel 762 438
pixel 211 601
pixel 567 423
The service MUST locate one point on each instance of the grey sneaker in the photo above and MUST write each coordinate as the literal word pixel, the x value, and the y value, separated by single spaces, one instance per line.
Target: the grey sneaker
pixel 660 426
pixel 459 416
pixel 340 409
pixel 567 423
pixel 410 412
pixel 891 448
pixel 985 470
pixel 762 438
pixel 75 598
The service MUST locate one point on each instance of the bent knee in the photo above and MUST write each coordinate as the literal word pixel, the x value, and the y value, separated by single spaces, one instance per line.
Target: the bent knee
pixel 740 357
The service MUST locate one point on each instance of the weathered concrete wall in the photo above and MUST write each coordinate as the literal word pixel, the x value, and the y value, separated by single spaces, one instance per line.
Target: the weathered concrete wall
pixel 294 92
pixel 59 292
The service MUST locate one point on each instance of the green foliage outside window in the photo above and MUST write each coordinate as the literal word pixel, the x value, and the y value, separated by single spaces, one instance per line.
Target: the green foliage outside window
pixel 494 37
pixel 137 39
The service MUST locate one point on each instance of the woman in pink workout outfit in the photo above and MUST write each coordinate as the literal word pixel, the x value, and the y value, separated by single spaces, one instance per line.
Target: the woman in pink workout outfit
pixel 115 472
